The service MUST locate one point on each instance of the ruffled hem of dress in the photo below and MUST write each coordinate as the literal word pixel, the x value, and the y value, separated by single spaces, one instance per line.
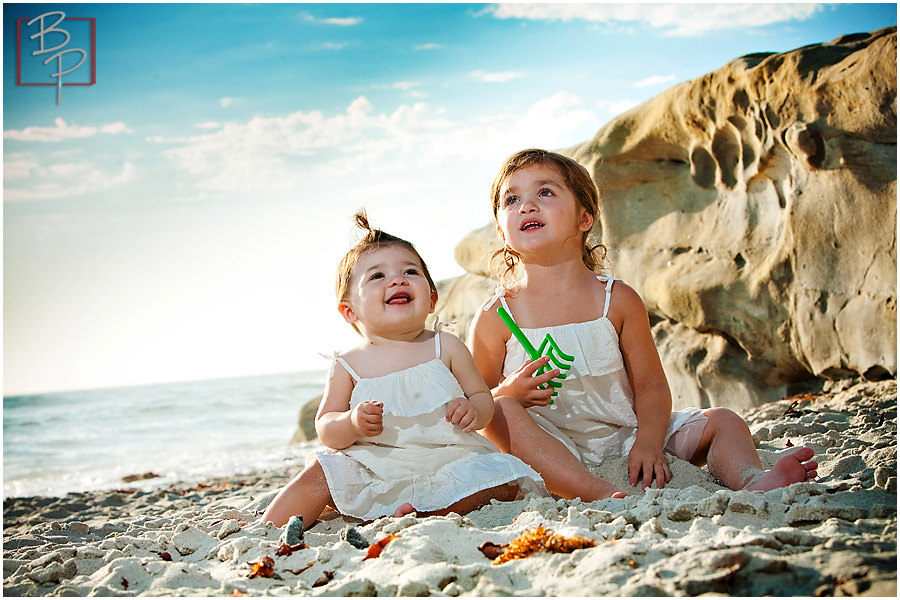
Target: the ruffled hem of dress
pixel 460 483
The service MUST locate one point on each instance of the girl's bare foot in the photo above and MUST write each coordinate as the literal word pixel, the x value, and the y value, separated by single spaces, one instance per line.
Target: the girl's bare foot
pixel 404 509
pixel 793 468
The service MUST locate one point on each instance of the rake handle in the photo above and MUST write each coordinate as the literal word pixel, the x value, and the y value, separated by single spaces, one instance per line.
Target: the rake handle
pixel 514 328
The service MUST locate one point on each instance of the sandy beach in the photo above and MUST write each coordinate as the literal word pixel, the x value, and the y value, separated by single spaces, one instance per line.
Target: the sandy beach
pixel 835 536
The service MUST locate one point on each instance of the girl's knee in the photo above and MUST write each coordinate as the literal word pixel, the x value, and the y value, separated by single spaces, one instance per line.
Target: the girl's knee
pixel 725 419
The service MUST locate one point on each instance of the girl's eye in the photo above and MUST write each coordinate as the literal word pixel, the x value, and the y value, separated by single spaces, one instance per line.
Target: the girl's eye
pixel 376 275
pixel 509 200
pixel 545 192
pixel 411 271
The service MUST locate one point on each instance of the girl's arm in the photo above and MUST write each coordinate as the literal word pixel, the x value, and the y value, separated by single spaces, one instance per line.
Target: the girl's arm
pixel 339 427
pixel 487 339
pixel 652 398
pixel 472 383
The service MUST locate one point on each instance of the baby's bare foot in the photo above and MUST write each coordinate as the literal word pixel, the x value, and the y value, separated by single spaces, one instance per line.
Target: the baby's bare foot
pixel 608 490
pixel 404 509
pixel 793 468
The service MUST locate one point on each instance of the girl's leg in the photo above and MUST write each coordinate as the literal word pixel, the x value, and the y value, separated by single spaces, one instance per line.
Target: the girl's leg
pixel 514 431
pixel 727 447
pixel 306 495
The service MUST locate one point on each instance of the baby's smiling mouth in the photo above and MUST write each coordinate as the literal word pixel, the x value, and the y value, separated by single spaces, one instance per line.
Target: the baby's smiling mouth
pixel 400 298
pixel 531 225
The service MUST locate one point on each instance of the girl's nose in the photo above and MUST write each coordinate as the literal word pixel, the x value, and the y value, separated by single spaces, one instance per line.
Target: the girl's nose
pixel 398 280
pixel 528 206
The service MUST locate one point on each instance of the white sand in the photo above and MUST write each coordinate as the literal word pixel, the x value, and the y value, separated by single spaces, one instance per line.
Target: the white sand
pixel 837 536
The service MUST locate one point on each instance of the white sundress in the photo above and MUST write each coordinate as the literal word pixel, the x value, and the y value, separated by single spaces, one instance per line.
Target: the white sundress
pixel 420 457
pixel 593 413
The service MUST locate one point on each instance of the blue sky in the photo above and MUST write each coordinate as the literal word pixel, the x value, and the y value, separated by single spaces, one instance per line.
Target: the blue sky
pixel 183 217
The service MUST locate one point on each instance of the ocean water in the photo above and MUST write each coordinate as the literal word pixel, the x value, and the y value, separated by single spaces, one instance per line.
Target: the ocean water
pixel 88 440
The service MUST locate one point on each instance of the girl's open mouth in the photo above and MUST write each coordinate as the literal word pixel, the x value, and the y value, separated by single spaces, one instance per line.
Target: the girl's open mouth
pixel 531 225
pixel 400 298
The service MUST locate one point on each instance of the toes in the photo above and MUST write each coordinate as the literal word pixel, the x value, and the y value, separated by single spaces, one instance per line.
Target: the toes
pixel 404 509
pixel 803 454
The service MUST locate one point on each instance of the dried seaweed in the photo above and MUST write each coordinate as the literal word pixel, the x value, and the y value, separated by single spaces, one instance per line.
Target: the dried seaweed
pixel 264 567
pixel 375 549
pixel 535 540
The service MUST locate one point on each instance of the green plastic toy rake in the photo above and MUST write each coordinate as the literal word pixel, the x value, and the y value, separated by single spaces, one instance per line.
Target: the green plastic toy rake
pixel 549 347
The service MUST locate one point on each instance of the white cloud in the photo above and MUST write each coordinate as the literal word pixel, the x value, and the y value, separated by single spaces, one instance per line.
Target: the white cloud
pixel 63 131
pixel 427 47
pixel 333 45
pixel 677 19
pixel 225 102
pixel 301 150
pixel 654 80
pixel 19 165
pixel 405 85
pixel 62 180
pixel 208 125
pixel 496 77
pixel 341 21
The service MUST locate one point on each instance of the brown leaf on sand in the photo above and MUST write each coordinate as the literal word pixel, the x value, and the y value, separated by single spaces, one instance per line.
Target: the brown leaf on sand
pixel 491 550
pixel 287 550
pixel 301 569
pixel 165 556
pixel 324 579
pixel 375 549
pixel 264 567
pixel 540 540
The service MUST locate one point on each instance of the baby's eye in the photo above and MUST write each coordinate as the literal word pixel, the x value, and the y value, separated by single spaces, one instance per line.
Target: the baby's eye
pixel 510 200
pixel 411 271
pixel 376 275
pixel 545 192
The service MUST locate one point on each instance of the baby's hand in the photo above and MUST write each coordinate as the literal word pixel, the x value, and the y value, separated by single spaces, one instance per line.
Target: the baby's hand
pixel 367 418
pixel 523 384
pixel 461 413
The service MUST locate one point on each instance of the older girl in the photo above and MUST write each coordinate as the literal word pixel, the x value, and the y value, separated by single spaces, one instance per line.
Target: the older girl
pixel 615 400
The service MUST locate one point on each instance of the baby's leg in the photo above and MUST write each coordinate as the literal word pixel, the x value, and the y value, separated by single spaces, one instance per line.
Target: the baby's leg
pixel 514 431
pixel 728 448
pixel 505 493
pixel 306 495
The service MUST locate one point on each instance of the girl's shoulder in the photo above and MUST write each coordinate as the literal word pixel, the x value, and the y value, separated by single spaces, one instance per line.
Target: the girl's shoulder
pixel 625 304
pixel 486 321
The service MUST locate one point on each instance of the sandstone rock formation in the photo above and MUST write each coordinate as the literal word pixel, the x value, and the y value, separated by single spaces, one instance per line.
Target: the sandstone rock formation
pixel 754 209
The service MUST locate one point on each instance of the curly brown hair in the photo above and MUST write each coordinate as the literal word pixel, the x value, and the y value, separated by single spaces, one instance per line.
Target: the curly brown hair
pixel 579 182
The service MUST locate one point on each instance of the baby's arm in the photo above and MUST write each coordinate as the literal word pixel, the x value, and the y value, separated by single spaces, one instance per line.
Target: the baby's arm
pixel 652 398
pixel 487 339
pixel 339 427
pixel 477 408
